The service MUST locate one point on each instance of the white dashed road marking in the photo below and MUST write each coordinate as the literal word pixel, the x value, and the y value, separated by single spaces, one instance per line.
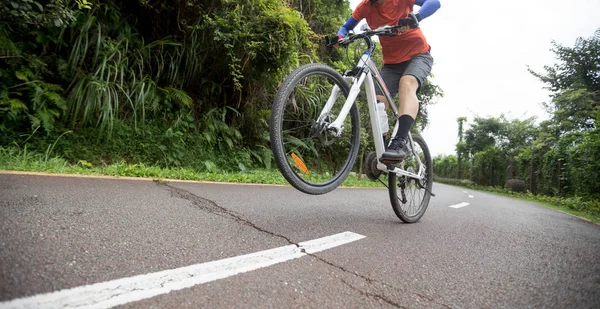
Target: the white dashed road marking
pixel 460 205
pixel 470 196
pixel 121 291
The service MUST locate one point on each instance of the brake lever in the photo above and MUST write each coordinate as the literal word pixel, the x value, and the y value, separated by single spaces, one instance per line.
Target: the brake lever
pixel 386 31
pixel 344 42
pixel 329 43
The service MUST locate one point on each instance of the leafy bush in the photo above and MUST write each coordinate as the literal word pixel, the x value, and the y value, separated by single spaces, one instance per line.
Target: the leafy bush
pixel 516 185
pixel 575 203
pixel 174 83
pixel 49 13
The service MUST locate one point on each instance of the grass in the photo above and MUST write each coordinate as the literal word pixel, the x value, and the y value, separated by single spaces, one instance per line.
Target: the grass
pixel 582 214
pixel 15 159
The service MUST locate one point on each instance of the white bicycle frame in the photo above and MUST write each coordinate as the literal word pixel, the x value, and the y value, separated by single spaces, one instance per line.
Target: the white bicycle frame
pixel 367 70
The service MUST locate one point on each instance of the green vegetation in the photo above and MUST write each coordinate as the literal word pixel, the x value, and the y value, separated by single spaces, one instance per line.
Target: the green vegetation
pixel 15 159
pixel 182 89
pixel 171 81
pixel 588 209
pixel 556 161
pixel 177 84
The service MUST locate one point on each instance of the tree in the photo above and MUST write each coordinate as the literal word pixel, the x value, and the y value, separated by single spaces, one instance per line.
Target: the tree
pixel 494 144
pixel 445 166
pixel 489 167
pixel 575 84
pixel 201 70
pixel 483 133
pixel 461 148
pixel 566 146
pixel 519 138
pixel 561 156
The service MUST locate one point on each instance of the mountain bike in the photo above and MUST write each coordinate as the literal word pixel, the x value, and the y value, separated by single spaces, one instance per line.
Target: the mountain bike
pixel 315 132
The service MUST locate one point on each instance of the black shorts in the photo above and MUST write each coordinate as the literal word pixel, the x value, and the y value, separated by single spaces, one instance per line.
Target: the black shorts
pixel 419 67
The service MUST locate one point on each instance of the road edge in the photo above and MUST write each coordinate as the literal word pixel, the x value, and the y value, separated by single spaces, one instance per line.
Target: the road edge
pixel 524 200
pixel 27 173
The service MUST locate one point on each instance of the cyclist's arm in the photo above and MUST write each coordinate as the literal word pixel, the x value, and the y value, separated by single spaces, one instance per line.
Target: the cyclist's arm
pixel 428 7
pixel 349 25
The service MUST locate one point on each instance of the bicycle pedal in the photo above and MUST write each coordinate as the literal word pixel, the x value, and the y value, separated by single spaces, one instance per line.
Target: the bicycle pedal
pixel 389 163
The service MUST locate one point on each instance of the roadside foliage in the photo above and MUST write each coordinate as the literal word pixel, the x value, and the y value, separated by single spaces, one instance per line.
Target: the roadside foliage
pixel 559 157
pixel 168 83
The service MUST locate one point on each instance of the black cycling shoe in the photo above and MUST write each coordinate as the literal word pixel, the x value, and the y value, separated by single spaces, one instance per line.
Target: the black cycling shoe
pixel 396 152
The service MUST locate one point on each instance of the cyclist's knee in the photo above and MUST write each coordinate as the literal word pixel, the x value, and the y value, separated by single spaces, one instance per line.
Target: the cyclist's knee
pixel 409 83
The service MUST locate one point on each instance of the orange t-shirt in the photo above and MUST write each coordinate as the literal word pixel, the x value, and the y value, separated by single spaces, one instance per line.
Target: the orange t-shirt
pixel 401 47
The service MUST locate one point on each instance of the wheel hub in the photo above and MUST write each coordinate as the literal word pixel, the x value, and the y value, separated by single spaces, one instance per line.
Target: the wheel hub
pixel 321 130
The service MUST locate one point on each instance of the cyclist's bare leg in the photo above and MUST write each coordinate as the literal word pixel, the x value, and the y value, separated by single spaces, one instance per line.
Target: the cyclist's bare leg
pixel 409 104
pixel 408 96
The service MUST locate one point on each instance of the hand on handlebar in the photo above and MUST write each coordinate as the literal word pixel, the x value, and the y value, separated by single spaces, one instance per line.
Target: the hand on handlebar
pixel 402 29
pixel 410 22
pixel 336 41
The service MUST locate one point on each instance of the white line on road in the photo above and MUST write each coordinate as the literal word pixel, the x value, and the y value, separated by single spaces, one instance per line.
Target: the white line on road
pixel 470 196
pixel 121 291
pixel 460 205
pixel 465 192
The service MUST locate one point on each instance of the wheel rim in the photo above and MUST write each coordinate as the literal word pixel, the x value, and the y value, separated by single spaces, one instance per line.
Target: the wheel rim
pixel 315 154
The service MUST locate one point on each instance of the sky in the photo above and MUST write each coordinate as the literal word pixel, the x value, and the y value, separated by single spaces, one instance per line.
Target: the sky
pixel 481 51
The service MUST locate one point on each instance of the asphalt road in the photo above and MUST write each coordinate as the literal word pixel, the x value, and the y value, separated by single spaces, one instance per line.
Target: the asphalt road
pixel 60 233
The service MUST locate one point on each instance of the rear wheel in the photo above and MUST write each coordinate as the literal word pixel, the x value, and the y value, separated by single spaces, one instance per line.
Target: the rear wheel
pixel 312 157
pixel 408 195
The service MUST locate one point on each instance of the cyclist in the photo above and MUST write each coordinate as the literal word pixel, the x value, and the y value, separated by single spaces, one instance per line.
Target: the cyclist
pixel 406 58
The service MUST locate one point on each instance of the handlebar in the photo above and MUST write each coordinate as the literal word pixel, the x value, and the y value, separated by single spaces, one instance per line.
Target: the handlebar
pixel 412 21
pixel 381 31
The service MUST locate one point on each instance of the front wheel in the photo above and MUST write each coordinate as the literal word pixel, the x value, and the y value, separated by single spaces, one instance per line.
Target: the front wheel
pixel 312 157
pixel 410 196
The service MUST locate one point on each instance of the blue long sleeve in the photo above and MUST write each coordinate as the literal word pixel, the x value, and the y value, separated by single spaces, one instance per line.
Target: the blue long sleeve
pixel 349 25
pixel 428 7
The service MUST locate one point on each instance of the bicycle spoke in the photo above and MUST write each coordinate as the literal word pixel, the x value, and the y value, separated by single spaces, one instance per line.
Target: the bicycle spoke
pixel 289 131
pixel 310 157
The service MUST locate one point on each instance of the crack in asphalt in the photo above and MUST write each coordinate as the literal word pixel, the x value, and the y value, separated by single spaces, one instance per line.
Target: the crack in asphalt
pixel 214 208
pixel 373 295
pixel 120 290
pixel 372 281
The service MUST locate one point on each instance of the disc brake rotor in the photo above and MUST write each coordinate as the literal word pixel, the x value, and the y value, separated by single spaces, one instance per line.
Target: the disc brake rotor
pixel 319 130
